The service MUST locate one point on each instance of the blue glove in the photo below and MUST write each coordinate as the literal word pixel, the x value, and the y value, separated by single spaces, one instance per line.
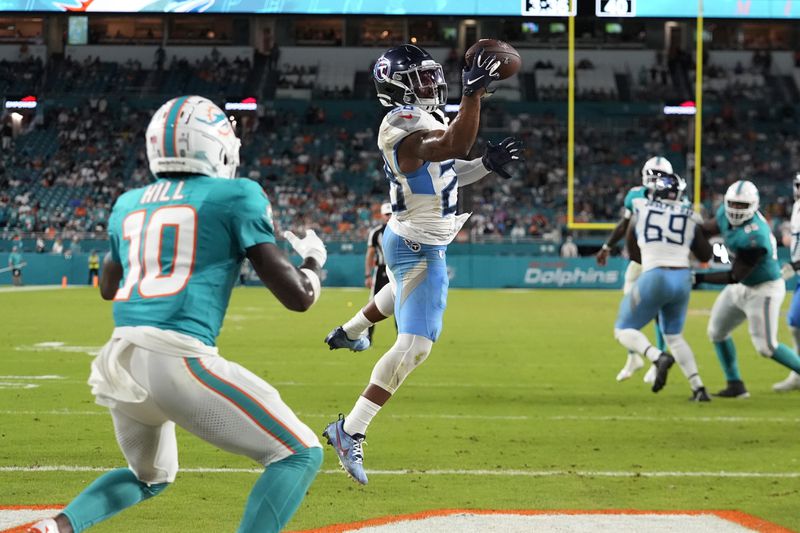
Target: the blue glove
pixel 480 74
pixel 497 156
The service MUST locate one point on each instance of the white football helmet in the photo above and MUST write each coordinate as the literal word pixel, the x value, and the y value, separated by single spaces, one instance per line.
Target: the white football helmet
pixel 190 134
pixel 653 168
pixel 796 185
pixel 741 202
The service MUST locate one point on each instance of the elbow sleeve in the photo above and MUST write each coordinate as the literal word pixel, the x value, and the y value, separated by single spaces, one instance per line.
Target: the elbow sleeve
pixel 469 171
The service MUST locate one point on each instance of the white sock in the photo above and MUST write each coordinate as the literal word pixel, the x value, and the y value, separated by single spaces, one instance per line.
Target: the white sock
pixel 636 341
pixel 359 418
pixel 357 326
pixel 685 358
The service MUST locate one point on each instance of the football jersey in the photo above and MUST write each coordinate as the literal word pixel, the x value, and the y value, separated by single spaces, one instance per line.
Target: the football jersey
pixel 423 201
pixel 795 228
pixel 181 243
pixel 755 233
pixel 634 193
pixel 664 232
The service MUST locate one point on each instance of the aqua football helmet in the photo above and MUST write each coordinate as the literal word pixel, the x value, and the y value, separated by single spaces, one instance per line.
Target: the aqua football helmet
pixel 653 168
pixel 741 202
pixel 192 135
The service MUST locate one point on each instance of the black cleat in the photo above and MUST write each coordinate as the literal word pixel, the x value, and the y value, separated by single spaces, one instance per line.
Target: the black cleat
pixel 663 364
pixel 735 389
pixel 700 395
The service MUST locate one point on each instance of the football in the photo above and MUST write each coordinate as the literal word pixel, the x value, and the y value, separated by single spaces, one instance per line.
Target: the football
pixel 510 62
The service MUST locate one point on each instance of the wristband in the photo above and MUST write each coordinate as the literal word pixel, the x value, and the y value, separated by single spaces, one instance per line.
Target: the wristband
pixel 605 246
pixel 316 285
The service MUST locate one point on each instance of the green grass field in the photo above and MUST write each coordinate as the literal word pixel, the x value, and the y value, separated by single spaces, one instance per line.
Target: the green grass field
pixel 519 381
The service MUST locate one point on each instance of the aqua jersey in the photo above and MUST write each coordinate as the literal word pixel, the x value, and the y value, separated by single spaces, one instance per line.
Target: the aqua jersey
pixel 181 243
pixel 633 194
pixel 754 233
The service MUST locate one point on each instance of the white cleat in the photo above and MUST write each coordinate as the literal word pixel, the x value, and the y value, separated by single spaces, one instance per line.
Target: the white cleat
pixel 48 525
pixel 632 365
pixel 789 384
pixel 650 376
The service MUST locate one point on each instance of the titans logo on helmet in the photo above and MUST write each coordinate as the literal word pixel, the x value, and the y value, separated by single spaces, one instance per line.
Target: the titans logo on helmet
pixel 382 68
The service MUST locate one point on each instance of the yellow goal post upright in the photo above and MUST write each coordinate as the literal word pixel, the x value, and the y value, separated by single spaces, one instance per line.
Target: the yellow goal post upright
pixel 698 125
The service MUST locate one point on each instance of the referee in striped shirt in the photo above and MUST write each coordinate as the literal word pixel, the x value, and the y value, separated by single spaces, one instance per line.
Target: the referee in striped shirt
pixel 375 276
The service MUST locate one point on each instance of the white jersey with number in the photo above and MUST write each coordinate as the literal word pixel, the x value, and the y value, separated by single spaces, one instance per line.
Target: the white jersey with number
pixel 795 227
pixel 664 232
pixel 424 201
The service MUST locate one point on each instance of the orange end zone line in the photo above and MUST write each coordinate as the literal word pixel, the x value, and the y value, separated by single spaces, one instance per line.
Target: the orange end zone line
pixel 738 517
pixel 24 527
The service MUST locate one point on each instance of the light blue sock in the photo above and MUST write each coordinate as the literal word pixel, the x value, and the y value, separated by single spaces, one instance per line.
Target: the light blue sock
pixel 278 492
pixel 661 344
pixel 109 494
pixel 726 353
pixel 787 357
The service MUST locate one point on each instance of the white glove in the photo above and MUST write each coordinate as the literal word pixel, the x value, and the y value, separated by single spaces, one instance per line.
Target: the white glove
pixel 309 246
pixel 787 271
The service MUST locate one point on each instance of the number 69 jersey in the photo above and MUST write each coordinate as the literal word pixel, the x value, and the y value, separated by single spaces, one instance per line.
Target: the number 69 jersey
pixel 664 232
pixel 181 243
pixel 424 201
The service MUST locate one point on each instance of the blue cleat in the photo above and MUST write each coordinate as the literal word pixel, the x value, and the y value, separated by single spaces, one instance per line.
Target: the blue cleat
pixel 348 449
pixel 338 339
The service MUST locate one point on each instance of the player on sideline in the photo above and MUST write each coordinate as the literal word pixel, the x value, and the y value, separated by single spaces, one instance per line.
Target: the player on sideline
pixel 755 289
pixel 176 247
pixel 423 166
pixel 653 167
pixel 792 382
pixel 660 237
pixel 375 275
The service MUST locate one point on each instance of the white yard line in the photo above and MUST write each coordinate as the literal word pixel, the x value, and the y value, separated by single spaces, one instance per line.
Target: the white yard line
pixel 443 472
pixel 33 377
pixel 30 288
pixel 445 416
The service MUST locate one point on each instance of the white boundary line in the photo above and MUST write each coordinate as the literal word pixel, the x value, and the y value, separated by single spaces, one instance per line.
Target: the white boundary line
pixel 523 418
pixel 31 288
pixel 441 472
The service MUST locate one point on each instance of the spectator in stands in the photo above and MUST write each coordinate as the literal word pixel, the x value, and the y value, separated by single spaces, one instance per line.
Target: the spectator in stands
pixel 569 248
pixel 58 247
pixel 40 246
pixel 6 133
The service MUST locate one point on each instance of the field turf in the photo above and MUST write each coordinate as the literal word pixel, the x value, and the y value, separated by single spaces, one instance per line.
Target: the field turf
pixel 519 383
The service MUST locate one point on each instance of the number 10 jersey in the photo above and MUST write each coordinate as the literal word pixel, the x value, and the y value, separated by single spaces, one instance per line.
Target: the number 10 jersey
pixel 181 243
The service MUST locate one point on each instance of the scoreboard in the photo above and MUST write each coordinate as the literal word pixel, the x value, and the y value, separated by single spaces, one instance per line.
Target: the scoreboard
pixel 764 9
pixel 757 9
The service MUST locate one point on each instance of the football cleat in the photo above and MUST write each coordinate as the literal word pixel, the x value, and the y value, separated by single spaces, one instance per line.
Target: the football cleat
pixel 662 364
pixel 48 525
pixel 789 384
pixel 338 339
pixel 700 395
pixel 634 363
pixel 735 389
pixel 348 448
